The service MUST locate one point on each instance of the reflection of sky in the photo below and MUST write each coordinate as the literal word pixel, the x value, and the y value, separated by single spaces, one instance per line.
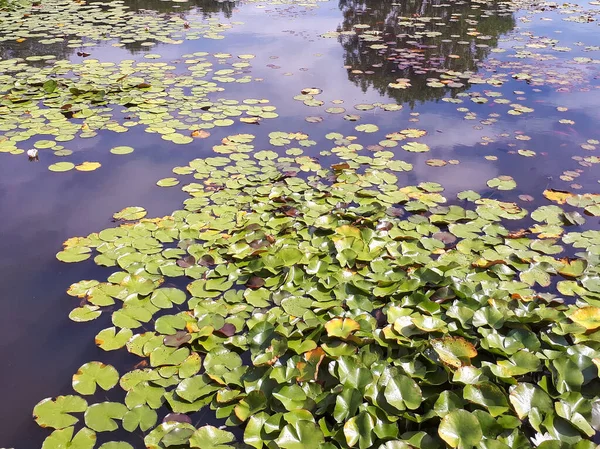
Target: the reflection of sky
pixel 41 209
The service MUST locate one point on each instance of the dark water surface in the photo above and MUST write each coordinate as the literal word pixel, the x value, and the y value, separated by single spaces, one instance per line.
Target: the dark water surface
pixel 40 347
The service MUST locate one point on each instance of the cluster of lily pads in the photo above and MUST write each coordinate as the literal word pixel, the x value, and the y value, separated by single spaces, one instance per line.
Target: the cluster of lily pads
pixel 87 23
pixel 67 100
pixel 312 306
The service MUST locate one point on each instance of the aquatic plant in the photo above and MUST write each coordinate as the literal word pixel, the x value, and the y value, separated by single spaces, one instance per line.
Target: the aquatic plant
pixel 329 307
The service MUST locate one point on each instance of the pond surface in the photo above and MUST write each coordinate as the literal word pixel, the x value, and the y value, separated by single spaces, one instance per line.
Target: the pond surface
pixel 501 90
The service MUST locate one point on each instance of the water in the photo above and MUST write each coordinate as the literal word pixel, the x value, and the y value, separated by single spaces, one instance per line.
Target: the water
pixel 41 347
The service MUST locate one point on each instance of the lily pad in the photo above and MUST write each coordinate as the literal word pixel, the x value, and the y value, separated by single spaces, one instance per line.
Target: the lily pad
pixel 110 339
pixel 459 428
pixel 130 213
pixel 341 327
pixel 56 413
pixel 63 438
pixel 120 150
pixel 167 182
pixel 415 147
pixel 101 417
pixel 94 373
pixel 454 351
pixel 61 166
pixel 588 317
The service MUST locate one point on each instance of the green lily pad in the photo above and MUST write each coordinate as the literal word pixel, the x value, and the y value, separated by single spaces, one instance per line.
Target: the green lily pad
pixel 101 417
pixel 116 445
pixel 488 395
pixel 454 351
pixel 75 254
pixel 415 147
pixel 56 413
pixel 502 183
pixel 109 339
pixel 209 437
pixel 94 373
pixel 341 327
pixel 164 355
pixel 459 428
pixel 525 396
pixel 300 435
pixel 588 317
pixel 130 213
pixel 164 298
pixel 85 313
pixel 140 416
pixel 367 128
pixel 403 393
pixel 120 150
pixel 61 166
pixel 167 182
pixel 63 438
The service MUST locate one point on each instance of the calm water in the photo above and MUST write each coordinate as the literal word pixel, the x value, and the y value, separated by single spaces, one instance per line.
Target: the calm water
pixel 41 347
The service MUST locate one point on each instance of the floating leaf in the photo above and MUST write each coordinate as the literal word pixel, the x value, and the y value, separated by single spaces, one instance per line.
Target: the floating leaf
pixel 101 417
pixel 525 396
pixel 120 150
pixel 459 428
pixel 56 413
pixel 341 327
pixel 415 147
pixel 167 182
pixel 63 438
pixel 300 435
pixel 94 373
pixel 130 213
pixel 140 416
pixel 109 339
pixel 558 196
pixel 209 437
pixel 403 393
pixel 488 395
pixel 588 317
pixel 367 128
pixel 200 134
pixel 454 351
pixel 61 166
pixel 85 313
pixel 445 237
pixel 572 268
pixel 116 445
pixel 502 183
pixel 164 298
pixel 50 86
pixel 88 166
pixel 74 254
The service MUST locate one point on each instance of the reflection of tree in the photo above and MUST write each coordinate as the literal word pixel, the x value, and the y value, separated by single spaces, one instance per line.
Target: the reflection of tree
pixel 452 45
pixel 32 47
pixel 167 9
pixel 204 7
